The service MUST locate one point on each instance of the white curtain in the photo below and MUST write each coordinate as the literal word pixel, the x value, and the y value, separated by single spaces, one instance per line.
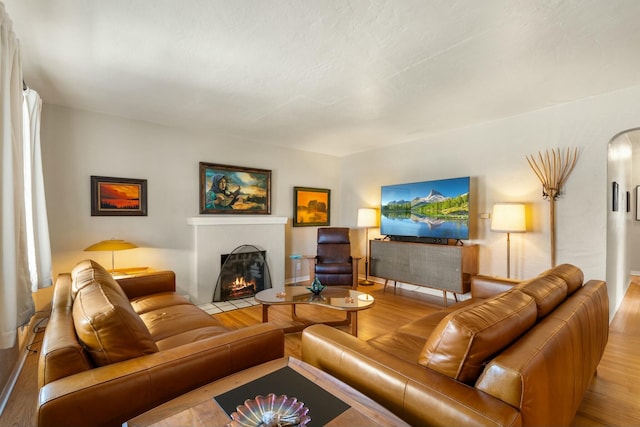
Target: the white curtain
pixel 39 246
pixel 16 302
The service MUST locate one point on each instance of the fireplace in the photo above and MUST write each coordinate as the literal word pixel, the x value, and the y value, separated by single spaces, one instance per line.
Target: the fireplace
pixel 243 273
pixel 214 235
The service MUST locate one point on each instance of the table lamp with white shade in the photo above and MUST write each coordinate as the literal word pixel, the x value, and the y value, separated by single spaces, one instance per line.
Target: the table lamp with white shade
pixel 367 218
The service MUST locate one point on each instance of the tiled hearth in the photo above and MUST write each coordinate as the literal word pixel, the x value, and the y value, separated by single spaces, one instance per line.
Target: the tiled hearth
pixel 221 307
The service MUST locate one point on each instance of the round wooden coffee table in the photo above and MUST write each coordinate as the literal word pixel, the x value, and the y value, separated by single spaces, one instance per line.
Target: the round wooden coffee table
pixel 347 300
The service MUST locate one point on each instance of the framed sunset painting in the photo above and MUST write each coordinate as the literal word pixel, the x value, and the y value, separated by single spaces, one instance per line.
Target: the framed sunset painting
pixel 118 196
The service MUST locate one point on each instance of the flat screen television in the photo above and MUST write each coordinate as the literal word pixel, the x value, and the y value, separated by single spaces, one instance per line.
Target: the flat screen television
pixel 429 211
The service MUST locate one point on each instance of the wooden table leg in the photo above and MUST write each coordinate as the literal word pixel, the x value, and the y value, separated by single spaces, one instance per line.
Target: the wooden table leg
pixel 265 313
pixel 354 322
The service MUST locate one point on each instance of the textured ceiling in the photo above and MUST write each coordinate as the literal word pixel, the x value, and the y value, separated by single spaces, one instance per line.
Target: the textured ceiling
pixel 335 77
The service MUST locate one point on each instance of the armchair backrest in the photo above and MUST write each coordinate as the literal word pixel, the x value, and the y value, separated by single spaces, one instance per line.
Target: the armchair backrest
pixel 334 245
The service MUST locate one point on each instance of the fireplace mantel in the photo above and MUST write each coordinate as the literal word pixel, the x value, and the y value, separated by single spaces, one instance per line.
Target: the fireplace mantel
pixel 216 235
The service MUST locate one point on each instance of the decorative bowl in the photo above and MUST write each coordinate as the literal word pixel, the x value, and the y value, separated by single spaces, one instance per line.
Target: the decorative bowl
pixel 270 411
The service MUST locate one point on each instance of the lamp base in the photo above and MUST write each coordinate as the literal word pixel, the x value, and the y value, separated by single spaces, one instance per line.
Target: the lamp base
pixel 365 282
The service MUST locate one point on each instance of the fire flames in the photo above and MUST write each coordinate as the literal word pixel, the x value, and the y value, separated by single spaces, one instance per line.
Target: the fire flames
pixel 240 286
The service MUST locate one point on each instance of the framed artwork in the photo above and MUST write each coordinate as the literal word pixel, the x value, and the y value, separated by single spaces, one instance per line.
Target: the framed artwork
pixel 234 190
pixel 118 196
pixel 311 207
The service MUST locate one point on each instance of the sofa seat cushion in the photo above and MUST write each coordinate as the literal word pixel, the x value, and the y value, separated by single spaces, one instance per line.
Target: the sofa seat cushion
pixel 190 336
pixel 169 321
pixel 403 346
pixel 149 303
pixel 407 341
pixel 107 325
pixel 465 339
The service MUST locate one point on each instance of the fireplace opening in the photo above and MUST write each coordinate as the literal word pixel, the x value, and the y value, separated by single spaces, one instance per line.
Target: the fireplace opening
pixel 244 272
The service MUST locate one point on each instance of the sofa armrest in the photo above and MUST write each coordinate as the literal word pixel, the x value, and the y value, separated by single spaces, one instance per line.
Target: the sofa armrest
pixel 416 394
pixel 149 283
pixel 488 286
pixel 113 394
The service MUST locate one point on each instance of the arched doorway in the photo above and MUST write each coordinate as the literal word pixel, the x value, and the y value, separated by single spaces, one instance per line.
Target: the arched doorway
pixel 623 231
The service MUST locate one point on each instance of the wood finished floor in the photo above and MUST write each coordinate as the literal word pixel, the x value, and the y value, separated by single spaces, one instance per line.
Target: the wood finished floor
pixel 613 398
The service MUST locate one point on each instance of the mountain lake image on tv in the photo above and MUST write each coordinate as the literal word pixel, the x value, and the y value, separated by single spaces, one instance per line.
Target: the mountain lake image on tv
pixel 429 209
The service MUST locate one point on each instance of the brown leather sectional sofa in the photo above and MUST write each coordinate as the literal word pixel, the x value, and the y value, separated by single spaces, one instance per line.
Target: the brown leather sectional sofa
pixel 112 351
pixel 515 354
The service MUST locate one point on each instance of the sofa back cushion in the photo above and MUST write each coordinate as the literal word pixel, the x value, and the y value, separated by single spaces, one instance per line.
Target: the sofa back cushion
pixel 548 291
pixel 572 275
pixel 85 272
pixel 105 321
pixel 552 287
pixel 467 338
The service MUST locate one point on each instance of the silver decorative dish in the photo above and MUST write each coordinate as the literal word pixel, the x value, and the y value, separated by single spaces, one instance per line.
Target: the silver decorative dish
pixel 270 411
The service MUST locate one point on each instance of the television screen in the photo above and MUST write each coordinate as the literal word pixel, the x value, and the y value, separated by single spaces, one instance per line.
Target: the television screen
pixel 429 209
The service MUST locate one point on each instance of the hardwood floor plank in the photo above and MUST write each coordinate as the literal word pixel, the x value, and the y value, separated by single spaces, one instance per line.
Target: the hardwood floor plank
pixel 20 409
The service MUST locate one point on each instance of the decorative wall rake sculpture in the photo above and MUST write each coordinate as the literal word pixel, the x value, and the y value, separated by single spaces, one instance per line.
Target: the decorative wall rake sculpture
pixel 553 169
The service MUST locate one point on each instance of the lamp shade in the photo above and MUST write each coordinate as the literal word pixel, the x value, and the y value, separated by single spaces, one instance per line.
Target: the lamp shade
pixel 367 217
pixel 508 218
pixel 111 245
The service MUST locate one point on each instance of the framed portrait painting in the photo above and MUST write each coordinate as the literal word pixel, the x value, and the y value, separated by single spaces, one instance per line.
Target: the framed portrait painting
pixel 118 196
pixel 234 190
pixel 311 207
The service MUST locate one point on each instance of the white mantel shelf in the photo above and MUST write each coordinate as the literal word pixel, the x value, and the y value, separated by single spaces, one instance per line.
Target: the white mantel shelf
pixel 237 220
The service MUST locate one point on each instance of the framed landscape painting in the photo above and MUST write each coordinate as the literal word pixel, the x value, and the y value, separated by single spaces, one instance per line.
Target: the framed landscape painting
pixel 234 190
pixel 118 196
pixel 311 207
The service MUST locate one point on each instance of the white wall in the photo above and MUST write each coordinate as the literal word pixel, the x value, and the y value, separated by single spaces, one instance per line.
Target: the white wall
pixel 618 221
pixel 493 154
pixel 634 226
pixel 79 144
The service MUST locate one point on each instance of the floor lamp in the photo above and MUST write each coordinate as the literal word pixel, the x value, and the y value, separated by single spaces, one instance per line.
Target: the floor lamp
pixel 111 245
pixel 367 218
pixel 508 218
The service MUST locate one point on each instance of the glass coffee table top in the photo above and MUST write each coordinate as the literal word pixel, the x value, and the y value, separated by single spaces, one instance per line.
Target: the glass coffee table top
pixel 347 300
pixel 338 298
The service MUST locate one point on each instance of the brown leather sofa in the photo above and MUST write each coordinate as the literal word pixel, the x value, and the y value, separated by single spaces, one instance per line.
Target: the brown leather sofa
pixel 515 354
pixel 113 350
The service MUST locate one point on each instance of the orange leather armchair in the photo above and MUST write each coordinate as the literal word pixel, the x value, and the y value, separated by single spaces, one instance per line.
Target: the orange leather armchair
pixel 333 263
